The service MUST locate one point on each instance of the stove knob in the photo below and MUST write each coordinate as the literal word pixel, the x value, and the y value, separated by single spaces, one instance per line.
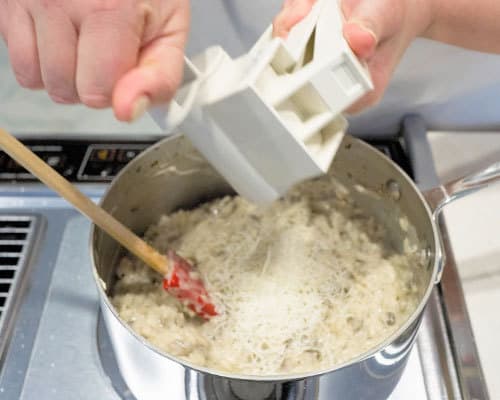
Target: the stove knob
pixel 53 161
pixel 106 172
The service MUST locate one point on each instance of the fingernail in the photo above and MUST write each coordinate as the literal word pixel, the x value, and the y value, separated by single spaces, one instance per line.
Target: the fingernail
pixel 140 107
pixel 363 26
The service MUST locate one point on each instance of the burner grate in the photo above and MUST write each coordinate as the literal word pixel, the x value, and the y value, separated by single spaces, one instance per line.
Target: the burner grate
pixel 17 236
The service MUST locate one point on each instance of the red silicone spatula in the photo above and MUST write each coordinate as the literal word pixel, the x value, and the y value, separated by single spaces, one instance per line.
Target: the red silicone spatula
pixel 177 272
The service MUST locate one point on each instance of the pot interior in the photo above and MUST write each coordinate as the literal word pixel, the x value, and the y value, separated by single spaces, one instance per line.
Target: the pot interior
pixel 173 175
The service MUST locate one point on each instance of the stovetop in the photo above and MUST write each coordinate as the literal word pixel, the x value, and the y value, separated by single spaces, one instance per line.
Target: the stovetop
pixel 71 356
pixel 53 344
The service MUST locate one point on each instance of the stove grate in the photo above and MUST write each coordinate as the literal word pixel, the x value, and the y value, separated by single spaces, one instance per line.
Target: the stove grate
pixel 17 237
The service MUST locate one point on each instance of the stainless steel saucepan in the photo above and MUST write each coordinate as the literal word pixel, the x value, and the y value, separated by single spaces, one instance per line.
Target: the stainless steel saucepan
pixel 171 175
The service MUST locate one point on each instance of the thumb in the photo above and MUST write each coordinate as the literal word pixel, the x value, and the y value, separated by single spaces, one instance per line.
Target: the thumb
pixel 154 80
pixel 370 22
pixel 158 73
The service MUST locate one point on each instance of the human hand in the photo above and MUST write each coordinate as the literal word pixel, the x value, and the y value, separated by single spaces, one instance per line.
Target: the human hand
pixel 378 31
pixel 127 54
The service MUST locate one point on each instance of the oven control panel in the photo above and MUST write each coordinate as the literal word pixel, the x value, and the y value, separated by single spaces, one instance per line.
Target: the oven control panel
pixel 80 161
pixel 76 161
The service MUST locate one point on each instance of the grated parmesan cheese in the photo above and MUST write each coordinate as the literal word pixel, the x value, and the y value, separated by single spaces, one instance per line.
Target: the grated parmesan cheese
pixel 304 284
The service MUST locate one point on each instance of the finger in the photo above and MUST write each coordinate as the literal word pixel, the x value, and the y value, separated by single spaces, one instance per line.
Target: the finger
pixel 154 80
pixel 23 52
pixel 108 47
pixel 362 41
pixel 57 43
pixel 381 67
pixel 292 13
pixel 370 22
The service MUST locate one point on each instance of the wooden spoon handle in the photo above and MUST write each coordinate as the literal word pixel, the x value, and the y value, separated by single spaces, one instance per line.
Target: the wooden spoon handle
pixel 101 218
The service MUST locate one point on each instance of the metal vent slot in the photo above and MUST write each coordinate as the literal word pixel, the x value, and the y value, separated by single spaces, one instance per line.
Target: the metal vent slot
pixel 17 237
pixel 7 224
pixel 11 247
pixel 8 260
pixel 7 235
pixel 7 274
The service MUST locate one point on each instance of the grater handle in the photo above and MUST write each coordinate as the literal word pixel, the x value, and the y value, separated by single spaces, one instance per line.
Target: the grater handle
pixel 171 116
pixel 178 110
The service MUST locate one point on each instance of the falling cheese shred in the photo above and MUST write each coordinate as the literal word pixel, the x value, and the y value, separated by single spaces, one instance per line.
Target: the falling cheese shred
pixel 304 284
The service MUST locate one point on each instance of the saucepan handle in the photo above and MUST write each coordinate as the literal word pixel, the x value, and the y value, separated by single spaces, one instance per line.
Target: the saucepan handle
pixel 440 196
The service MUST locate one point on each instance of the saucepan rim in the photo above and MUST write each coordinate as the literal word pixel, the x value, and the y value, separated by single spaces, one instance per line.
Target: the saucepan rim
pixel 285 377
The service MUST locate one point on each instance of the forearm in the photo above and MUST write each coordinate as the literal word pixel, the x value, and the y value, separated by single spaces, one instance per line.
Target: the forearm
pixel 471 24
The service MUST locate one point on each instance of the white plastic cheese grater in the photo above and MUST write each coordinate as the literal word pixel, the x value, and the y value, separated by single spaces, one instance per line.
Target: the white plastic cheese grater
pixel 272 117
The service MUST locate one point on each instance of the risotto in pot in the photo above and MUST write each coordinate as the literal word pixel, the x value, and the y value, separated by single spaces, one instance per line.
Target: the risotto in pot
pixel 304 284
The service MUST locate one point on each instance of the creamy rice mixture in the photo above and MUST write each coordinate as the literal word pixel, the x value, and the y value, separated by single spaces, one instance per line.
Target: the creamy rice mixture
pixel 304 284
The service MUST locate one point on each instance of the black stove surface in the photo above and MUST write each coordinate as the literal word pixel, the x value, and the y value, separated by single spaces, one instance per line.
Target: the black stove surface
pixel 81 161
